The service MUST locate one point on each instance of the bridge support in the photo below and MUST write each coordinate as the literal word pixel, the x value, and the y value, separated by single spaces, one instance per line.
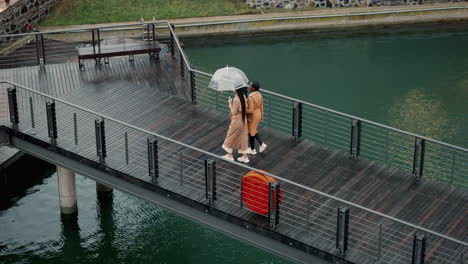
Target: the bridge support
pixel 103 189
pixel 67 191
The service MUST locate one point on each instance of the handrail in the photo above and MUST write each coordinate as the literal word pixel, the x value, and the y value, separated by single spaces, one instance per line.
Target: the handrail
pixel 323 16
pixel 238 164
pixel 187 64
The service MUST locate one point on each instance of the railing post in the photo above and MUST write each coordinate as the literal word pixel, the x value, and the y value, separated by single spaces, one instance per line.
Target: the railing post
pixel 126 148
pixel 51 122
pixel 172 41
pixel 273 204
pixel 181 168
pixel 153 32
pixel 43 51
pixel 453 165
pixel 269 110
pixel 297 121
pixel 309 210
pixel 38 53
pixel 153 159
pixel 379 247
pixel 93 41
pixel 355 141
pixel 241 193
pixel 149 32
pixel 342 226
pixel 419 247
pixel 193 86
pixel 13 106
pixel 31 109
pixel 182 66
pixel 210 180
pixel 96 34
pixel 100 140
pixel 75 128
pixel 418 158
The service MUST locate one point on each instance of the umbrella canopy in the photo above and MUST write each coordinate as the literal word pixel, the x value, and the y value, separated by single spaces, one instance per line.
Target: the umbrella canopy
pixel 228 79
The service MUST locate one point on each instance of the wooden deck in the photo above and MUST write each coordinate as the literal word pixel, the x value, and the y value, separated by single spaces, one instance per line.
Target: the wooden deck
pixel 146 94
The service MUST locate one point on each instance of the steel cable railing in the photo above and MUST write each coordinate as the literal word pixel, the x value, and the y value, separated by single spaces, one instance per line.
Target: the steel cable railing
pixel 317 219
pixel 432 159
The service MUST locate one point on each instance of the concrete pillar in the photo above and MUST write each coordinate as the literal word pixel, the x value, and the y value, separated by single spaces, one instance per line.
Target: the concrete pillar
pixel 67 191
pixel 101 188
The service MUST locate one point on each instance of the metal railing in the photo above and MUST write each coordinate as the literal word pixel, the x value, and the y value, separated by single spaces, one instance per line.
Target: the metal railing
pixel 52 47
pixel 421 156
pixel 326 222
pixel 346 16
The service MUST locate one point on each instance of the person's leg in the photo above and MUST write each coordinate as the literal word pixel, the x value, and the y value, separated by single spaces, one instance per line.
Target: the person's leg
pixel 252 142
pixel 244 158
pixel 228 152
pixel 259 139
pixel 262 144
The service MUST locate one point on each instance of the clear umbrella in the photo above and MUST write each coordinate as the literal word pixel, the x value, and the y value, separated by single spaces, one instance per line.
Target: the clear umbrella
pixel 228 79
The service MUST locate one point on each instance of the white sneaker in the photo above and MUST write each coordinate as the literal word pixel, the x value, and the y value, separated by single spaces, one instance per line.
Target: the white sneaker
pixel 251 151
pixel 227 157
pixel 262 147
pixel 246 160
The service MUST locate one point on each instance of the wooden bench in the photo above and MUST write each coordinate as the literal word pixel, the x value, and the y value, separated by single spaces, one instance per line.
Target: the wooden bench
pixel 117 47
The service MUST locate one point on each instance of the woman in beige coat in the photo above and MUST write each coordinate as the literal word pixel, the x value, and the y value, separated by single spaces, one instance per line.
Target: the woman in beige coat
pixel 254 116
pixel 236 137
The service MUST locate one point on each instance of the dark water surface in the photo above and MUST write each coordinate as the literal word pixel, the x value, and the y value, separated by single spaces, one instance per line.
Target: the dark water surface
pixel 416 81
pixel 122 229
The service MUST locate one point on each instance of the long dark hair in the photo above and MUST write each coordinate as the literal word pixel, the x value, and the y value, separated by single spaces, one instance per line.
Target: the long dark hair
pixel 241 94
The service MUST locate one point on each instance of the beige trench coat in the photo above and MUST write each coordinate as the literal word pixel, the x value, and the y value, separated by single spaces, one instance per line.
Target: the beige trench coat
pixel 236 137
pixel 254 112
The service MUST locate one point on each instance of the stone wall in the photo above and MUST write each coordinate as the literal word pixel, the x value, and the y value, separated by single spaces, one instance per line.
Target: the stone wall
pixel 18 16
pixel 291 4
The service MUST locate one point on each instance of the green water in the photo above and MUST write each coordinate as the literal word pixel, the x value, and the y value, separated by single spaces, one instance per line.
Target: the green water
pixel 413 79
pixel 122 229
pixel 417 81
